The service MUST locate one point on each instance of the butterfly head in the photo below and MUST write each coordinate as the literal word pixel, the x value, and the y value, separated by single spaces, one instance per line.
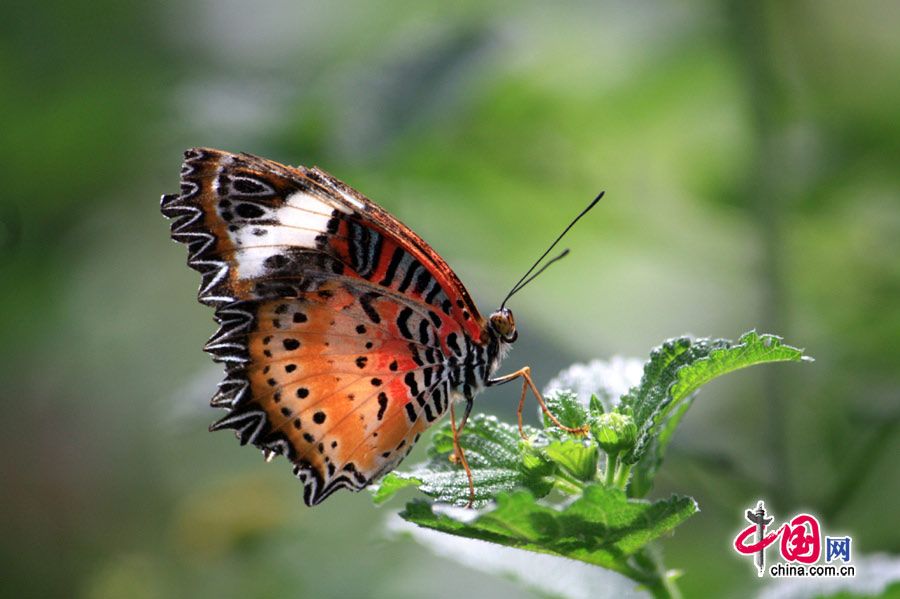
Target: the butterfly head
pixel 503 324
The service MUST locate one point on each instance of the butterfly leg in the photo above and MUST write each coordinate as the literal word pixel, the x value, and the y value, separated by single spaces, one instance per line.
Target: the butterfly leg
pixel 527 383
pixel 458 454
pixel 469 403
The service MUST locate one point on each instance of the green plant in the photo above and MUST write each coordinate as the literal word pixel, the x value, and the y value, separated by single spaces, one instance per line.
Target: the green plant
pixel 582 496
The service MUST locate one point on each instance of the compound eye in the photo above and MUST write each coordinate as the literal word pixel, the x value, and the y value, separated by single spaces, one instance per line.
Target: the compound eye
pixel 505 325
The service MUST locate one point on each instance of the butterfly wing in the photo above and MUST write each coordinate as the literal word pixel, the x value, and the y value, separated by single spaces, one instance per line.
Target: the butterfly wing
pixel 336 321
pixel 255 229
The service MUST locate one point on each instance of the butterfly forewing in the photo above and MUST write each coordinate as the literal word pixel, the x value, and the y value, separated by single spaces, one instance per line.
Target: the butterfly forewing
pixel 337 323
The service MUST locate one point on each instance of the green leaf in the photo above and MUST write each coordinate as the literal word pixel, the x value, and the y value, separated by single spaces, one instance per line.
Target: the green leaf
pixel 499 462
pixel 750 349
pixel 602 527
pixel 645 470
pixel 564 405
pixel 578 457
pixel 680 366
pixel 536 467
pixel 390 484
pixel 595 406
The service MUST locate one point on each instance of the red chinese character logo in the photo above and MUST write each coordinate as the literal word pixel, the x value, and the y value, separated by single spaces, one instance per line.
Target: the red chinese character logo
pixel 800 540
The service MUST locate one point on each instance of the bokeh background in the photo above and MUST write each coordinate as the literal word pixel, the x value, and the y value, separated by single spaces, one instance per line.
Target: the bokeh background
pixel 751 157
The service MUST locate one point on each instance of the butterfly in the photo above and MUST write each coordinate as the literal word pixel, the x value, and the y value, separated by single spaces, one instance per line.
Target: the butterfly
pixel 343 334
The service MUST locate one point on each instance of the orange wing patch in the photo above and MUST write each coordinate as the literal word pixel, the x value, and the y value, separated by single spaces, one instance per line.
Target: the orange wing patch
pixel 342 396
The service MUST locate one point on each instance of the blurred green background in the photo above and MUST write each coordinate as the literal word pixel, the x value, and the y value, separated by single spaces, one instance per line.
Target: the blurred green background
pixel 750 156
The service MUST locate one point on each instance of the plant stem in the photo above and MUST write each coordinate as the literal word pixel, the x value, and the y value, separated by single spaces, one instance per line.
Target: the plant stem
pixel 654 574
pixel 622 474
pixel 611 468
pixel 664 587
pixel 564 481
pixel 568 486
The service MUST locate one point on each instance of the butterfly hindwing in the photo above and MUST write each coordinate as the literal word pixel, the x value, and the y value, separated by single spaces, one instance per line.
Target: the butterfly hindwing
pixel 341 396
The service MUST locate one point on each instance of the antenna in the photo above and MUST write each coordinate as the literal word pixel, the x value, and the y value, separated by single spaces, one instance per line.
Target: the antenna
pixel 522 282
pixel 519 287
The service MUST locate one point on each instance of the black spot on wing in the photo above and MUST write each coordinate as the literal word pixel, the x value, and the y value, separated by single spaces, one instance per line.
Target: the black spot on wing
pixel 410 380
pixel 410 275
pixel 382 404
pixel 366 302
pixel 403 322
pixel 433 292
pixel 453 344
pixel 249 211
pixel 422 282
pixel 396 257
pixel 411 412
pixel 424 337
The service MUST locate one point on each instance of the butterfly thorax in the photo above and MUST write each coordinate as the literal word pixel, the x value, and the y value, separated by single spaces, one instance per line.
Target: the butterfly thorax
pixel 471 371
